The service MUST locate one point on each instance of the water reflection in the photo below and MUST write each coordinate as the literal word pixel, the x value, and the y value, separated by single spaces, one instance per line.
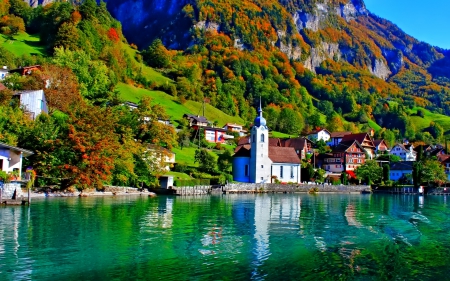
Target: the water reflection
pixel 237 237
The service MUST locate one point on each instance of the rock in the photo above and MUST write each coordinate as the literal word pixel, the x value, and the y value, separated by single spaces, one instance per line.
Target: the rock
pixel 83 195
pixel 152 194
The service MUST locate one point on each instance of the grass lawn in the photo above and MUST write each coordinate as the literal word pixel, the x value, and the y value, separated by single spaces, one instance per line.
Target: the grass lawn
pixel 374 125
pixel 173 108
pixel 186 155
pixel 177 175
pixel 22 43
pixel 274 134
pixel 148 72
pixel 424 122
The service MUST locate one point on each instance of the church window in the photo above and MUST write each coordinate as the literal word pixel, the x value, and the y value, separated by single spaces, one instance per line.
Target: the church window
pixel 262 166
pixel 281 171
pixel 254 138
pixel 292 172
pixel 246 170
pixel 262 137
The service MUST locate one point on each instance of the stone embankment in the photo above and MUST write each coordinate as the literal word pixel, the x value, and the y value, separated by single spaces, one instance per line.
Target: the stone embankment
pixel 291 188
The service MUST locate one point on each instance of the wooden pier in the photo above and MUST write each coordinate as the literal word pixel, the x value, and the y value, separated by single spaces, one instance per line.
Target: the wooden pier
pixel 193 190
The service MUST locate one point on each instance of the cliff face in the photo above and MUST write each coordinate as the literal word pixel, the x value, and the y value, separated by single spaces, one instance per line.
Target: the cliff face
pixel 339 30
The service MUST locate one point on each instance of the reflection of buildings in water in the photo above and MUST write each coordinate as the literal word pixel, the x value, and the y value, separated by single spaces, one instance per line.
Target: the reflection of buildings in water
pixel 10 237
pixel 350 216
pixel 160 216
pixel 272 214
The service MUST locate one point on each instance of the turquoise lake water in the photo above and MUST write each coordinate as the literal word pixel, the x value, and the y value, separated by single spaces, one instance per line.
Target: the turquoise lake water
pixel 230 237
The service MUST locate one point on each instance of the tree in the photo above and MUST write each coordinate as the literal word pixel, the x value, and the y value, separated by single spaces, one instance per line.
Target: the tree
pixel 61 89
pixel 225 161
pixel 370 172
pixel 157 55
pixel 386 172
pixel 206 161
pixel 307 172
pixel 290 121
pixel 320 175
pixel 433 172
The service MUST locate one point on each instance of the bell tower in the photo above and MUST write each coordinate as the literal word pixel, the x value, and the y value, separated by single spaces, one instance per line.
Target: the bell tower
pixel 260 164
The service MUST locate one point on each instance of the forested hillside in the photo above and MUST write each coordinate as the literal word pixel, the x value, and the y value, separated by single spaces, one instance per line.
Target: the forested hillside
pixel 314 64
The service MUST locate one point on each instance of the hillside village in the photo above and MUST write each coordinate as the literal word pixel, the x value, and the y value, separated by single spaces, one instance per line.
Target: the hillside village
pixel 111 112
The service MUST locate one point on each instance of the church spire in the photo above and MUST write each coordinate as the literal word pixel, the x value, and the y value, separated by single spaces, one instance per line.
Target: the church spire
pixel 259 120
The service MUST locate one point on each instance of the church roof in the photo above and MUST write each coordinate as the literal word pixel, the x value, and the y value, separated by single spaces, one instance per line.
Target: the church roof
pixel 283 155
pixel 242 151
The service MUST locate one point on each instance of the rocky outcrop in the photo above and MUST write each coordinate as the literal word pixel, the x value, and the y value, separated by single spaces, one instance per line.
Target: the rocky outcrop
pixel 321 53
pixel 208 25
pixel 380 69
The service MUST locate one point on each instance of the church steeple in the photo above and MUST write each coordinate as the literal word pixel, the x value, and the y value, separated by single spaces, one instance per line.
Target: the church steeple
pixel 259 120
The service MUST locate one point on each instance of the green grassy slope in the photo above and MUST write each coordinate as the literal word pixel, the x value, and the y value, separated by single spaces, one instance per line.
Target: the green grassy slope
pixel 424 122
pixel 21 44
pixel 173 108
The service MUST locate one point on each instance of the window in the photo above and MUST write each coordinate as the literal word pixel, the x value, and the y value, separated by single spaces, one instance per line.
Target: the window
pixel 262 178
pixel 262 137
pixel 246 170
pixel 292 172
pixel 262 166
pixel 281 171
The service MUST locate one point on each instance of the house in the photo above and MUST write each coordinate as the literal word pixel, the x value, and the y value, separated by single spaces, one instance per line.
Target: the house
pixel 321 134
pixel 33 102
pixel 365 140
pixel 27 70
pixel 347 156
pixel 196 120
pixel 302 146
pixel 235 128
pixel 445 161
pixel 217 135
pixel 162 157
pixel 11 158
pixel 336 138
pixel 258 162
pixel 381 147
pixel 3 72
pixel 404 151
pixel 401 170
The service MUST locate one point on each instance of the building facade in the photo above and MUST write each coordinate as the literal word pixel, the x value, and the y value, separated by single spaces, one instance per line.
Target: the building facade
pixel 347 156
pixel 11 158
pixel 405 152
pixel 33 102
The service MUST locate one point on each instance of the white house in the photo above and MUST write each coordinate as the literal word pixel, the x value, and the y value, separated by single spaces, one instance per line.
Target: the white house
pixel 235 128
pixel 405 152
pixel 322 134
pixel 216 135
pixel 257 162
pixel 401 170
pixel 33 102
pixel 3 72
pixel 11 158
pixel 161 157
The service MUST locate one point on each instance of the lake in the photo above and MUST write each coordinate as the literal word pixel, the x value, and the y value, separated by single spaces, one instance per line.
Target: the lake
pixel 230 237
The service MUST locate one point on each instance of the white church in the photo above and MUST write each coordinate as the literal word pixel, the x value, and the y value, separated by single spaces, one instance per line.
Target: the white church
pixel 259 162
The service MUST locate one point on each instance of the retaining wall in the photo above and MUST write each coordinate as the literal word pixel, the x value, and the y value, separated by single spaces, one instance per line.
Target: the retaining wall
pixel 9 188
pixel 268 187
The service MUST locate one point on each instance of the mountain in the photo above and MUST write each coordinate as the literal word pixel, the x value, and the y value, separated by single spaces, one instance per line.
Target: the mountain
pixel 296 54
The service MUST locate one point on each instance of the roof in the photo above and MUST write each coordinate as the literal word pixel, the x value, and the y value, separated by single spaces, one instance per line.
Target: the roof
pixel 160 148
pixel 402 165
pixel 24 69
pixel 274 142
pixel 339 134
pixel 233 125
pixel 283 155
pixel 2 87
pixel 25 152
pixel 296 143
pixel 444 158
pixel 201 119
pixel 317 131
pixel 244 140
pixel 242 151
pixel 343 146
pixel 378 142
pixel 359 137
pixel 404 147
pixel 215 129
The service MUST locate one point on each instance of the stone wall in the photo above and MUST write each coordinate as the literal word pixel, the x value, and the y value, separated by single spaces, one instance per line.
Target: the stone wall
pixel 118 189
pixel 247 187
pixel 9 188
